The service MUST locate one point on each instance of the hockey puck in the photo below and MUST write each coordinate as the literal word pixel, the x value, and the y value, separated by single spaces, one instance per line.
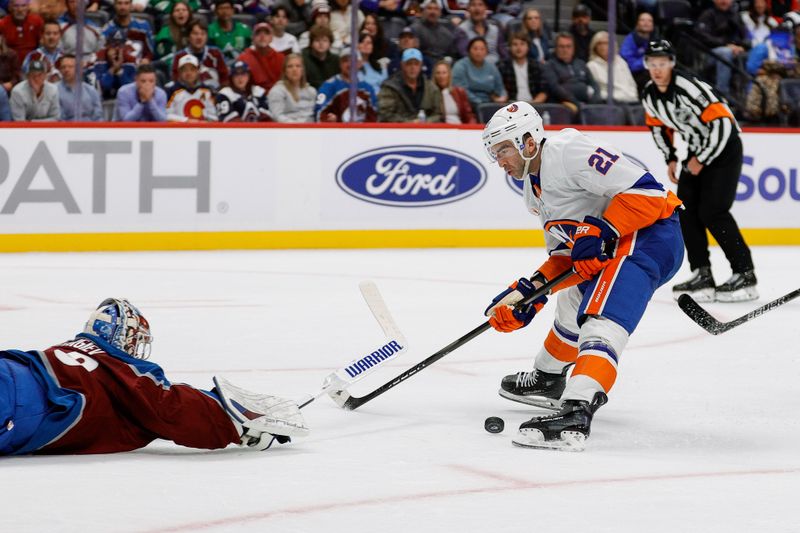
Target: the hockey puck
pixel 494 424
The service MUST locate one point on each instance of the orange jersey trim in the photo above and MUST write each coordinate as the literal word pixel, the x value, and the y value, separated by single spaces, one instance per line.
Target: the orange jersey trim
pixel 715 111
pixel 598 368
pixel 555 265
pixel 630 212
pixel 559 349
pixel 604 283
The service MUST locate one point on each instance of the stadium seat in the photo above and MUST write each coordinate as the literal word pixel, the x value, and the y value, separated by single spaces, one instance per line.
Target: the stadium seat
pixel 555 114
pixel 602 115
pixel 245 18
pixel 108 110
pixel 670 12
pixel 789 93
pixel 486 110
pixel 635 115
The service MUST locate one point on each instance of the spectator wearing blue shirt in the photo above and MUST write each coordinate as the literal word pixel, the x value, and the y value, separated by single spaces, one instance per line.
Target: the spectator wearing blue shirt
pixel 91 109
pixel 478 77
pixel 115 66
pixel 136 32
pixel 142 100
pixel 634 46
pixel 5 109
pixel 333 100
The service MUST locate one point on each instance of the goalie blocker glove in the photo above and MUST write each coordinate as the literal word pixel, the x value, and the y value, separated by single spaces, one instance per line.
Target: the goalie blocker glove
pixel 260 419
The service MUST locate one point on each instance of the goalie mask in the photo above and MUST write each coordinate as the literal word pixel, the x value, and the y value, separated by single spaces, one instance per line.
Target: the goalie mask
pixel 120 323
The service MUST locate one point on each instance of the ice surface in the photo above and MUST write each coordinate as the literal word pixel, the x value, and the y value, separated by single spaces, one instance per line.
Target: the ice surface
pixel 701 432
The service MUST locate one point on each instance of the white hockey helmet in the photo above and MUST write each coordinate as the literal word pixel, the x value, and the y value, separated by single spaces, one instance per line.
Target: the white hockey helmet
pixel 511 123
pixel 121 324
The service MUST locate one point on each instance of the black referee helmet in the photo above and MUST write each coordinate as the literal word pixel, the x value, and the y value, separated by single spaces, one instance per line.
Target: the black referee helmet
pixel 660 48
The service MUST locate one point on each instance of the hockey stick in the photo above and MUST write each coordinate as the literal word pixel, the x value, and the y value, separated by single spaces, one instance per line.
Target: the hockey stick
pixel 355 370
pixel 351 403
pixel 704 319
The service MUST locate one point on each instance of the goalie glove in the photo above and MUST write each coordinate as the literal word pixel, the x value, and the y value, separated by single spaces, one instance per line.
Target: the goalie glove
pixel 259 418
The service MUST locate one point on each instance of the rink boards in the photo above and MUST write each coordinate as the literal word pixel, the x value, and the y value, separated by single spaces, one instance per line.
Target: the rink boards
pixel 246 186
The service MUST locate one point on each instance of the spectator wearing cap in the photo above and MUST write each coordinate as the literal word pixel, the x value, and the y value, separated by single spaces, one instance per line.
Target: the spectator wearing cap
pixel 634 46
pixel 188 99
pixel 49 51
pixel 319 62
pixel 174 35
pixel 93 40
pixel 320 16
pixel 115 66
pixel 282 41
pixel 581 32
pixel 478 76
pixel 35 99
pixel 21 28
pixel 625 90
pixel 91 109
pixel 341 20
pixel 408 96
pixel 478 25
pixel 230 36
pixel 213 70
pixel 522 76
pixel 436 39
pixel 137 32
pixel 456 108
pixel 333 101
pixel 242 101
pixel 264 62
pixel 567 77
pixel 408 39
pixel 142 100
pixel 292 99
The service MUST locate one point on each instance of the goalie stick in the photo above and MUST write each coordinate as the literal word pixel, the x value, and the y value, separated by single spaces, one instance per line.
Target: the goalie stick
pixel 351 403
pixel 394 345
pixel 704 319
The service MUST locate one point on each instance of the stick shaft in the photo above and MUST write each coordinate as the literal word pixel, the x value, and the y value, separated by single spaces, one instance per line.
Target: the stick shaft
pixel 354 402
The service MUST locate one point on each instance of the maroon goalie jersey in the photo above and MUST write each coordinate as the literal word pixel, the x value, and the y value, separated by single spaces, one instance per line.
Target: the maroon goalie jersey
pixel 102 401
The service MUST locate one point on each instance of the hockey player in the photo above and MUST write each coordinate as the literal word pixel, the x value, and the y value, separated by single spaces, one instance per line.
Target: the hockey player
pixel 617 227
pixel 97 393
pixel 242 101
pixel 188 100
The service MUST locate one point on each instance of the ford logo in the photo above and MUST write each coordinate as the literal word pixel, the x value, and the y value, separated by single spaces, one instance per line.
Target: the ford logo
pixel 517 185
pixel 410 176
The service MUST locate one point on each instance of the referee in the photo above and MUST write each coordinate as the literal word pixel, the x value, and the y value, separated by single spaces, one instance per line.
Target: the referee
pixel 674 102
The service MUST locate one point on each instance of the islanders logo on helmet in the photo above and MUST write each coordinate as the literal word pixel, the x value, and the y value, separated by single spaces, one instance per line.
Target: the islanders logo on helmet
pixel 513 108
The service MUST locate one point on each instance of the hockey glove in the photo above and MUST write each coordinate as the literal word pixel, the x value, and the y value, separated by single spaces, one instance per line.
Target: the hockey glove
pixel 505 316
pixel 594 238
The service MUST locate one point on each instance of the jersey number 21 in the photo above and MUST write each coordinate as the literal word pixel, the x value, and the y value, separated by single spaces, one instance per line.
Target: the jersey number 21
pixel 602 160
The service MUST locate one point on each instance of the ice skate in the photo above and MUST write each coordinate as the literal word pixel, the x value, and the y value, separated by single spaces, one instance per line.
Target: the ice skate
pixel 565 430
pixel 537 388
pixel 740 287
pixel 700 287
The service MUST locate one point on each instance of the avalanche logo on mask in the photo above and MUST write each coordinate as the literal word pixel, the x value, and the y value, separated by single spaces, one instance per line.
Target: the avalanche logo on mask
pixel 410 176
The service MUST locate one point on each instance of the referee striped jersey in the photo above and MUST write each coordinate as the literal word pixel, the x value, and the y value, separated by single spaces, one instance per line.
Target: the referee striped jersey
pixel 693 109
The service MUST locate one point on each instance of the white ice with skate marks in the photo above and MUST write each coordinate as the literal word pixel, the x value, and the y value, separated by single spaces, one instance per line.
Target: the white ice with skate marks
pixel 700 433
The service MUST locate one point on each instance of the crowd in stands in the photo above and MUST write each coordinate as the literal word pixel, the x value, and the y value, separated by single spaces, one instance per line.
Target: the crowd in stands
pixel 418 60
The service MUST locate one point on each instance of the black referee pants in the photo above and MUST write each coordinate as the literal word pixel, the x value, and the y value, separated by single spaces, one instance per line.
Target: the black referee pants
pixel 708 198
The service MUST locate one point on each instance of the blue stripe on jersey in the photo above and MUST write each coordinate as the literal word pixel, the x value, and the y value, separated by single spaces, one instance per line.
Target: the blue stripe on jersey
pixel 600 348
pixel 647 181
pixel 142 367
pixel 564 333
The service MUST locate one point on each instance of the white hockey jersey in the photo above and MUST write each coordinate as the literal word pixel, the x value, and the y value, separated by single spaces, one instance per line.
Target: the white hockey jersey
pixel 185 103
pixel 581 176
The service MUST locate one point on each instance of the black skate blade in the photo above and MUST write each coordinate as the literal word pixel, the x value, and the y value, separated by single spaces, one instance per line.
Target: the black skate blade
pixel 569 441
pixel 536 401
